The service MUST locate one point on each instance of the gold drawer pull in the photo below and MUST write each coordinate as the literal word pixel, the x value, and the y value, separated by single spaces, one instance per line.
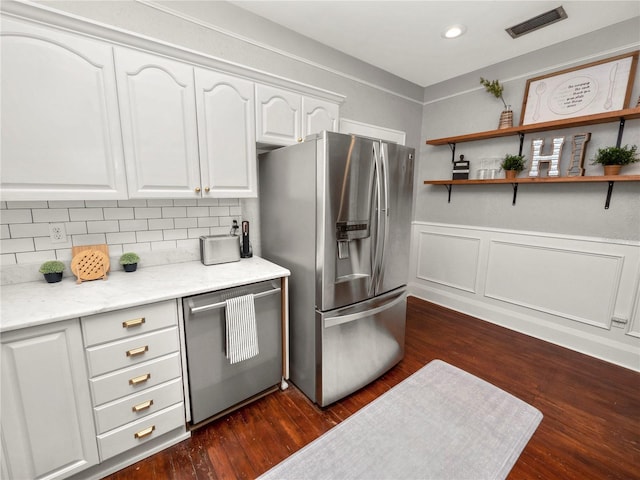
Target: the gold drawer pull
pixel 136 322
pixel 142 406
pixel 140 379
pixel 137 351
pixel 145 432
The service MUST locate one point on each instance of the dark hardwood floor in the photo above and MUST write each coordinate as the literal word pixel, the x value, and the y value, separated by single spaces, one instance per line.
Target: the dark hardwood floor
pixel 590 429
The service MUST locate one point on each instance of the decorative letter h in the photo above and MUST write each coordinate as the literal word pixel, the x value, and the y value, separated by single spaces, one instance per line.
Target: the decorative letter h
pixel 553 159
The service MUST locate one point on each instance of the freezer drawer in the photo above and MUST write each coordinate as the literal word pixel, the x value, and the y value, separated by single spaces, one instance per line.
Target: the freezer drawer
pixel 359 343
pixel 215 384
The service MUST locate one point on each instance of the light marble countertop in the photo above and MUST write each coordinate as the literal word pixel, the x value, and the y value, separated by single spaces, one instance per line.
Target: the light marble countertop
pixel 35 303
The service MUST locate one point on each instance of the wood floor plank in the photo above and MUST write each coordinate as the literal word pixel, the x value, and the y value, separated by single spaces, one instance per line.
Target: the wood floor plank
pixel 590 429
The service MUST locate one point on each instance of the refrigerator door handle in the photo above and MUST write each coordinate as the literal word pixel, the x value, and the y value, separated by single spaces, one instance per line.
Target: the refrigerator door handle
pixel 377 194
pixel 342 319
pixel 384 154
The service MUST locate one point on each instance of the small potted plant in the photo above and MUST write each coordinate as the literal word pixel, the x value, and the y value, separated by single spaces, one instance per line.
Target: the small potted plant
pixel 512 165
pixel 614 158
pixel 494 88
pixel 129 261
pixel 52 270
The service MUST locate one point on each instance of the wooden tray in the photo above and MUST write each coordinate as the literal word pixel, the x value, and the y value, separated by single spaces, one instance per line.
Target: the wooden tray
pixel 90 265
pixel 102 247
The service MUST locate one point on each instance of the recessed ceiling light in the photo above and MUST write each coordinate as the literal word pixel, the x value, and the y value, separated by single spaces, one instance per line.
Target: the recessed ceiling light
pixel 454 31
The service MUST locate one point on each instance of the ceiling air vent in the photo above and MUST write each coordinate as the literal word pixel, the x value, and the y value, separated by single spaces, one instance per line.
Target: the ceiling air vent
pixel 537 22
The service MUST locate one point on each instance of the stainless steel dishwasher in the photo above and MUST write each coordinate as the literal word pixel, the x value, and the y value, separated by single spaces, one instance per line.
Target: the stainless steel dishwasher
pixel 215 385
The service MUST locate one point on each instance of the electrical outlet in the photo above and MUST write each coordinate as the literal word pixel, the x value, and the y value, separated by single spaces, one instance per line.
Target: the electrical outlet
pixel 57 233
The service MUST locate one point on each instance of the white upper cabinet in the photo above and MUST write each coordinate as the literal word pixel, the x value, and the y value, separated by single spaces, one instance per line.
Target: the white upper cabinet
pixel 159 129
pixel 226 134
pixel 60 131
pixel 284 117
pixel 278 118
pixel 319 115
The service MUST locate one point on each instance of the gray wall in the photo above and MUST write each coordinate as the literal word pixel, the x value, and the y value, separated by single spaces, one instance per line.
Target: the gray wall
pixel 462 106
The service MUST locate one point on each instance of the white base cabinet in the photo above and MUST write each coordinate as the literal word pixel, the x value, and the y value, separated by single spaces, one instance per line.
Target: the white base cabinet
pixel 47 419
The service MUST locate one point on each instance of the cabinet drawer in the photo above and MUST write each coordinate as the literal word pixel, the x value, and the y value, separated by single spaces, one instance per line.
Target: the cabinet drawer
pixel 135 379
pixel 106 327
pixel 133 434
pixel 131 351
pixel 138 405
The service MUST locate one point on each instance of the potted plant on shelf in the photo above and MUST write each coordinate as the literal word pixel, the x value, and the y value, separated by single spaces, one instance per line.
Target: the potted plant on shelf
pixel 614 158
pixel 512 165
pixel 52 270
pixel 129 261
pixel 494 88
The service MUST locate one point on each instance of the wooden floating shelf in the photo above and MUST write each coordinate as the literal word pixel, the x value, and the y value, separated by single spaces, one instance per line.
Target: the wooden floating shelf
pixel 626 114
pixel 583 179
pixel 514 182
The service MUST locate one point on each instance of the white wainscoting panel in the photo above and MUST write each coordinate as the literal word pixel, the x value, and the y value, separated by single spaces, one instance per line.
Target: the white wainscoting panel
pixel 559 288
pixel 456 261
pixel 577 285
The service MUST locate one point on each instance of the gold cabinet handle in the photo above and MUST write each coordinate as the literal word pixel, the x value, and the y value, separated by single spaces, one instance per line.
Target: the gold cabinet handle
pixel 299 139
pixel 197 189
pixel 145 432
pixel 140 379
pixel 142 406
pixel 137 351
pixel 207 189
pixel 136 322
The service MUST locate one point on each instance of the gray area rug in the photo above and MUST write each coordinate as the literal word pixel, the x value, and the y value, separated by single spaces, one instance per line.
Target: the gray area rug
pixel 440 423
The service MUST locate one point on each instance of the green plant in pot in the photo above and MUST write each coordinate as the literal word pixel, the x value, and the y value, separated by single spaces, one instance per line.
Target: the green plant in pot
pixel 614 158
pixel 52 270
pixel 129 261
pixel 495 89
pixel 512 165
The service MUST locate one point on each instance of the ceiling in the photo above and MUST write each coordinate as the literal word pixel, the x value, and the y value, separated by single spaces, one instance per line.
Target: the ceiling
pixel 404 37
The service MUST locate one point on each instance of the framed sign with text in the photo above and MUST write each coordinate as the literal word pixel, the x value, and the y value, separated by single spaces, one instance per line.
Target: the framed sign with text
pixel 602 86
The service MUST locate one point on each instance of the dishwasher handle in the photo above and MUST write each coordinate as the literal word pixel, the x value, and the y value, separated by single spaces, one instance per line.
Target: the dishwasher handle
pixel 213 306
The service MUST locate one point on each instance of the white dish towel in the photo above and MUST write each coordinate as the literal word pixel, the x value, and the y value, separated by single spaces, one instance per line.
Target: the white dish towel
pixel 242 334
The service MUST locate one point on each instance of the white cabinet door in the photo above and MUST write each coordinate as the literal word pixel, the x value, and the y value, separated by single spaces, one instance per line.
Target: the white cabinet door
pixel 226 134
pixel 60 132
pixel 47 421
pixel 278 120
pixel 318 115
pixel 157 107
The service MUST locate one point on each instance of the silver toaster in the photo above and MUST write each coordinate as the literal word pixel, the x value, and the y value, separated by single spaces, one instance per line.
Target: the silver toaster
pixel 219 249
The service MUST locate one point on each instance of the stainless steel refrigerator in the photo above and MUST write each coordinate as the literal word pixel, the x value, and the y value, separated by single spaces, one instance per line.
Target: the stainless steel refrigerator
pixel 336 211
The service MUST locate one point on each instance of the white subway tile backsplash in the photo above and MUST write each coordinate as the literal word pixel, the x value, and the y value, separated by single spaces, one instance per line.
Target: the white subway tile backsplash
pixel 121 237
pixel 161 223
pixel 67 204
pixel 149 236
pixel 50 215
pixel 180 234
pixel 23 230
pixel 185 222
pixel 22 215
pixel 159 202
pixel 90 239
pixel 197 211
pixel 15 245
pixel 147 212
pixel 154 225
pixel 85 214
pixel 36 257
pixel 133 225
pixel 105 226
pixel 101 203
pixel 124 213
pixel 174 212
